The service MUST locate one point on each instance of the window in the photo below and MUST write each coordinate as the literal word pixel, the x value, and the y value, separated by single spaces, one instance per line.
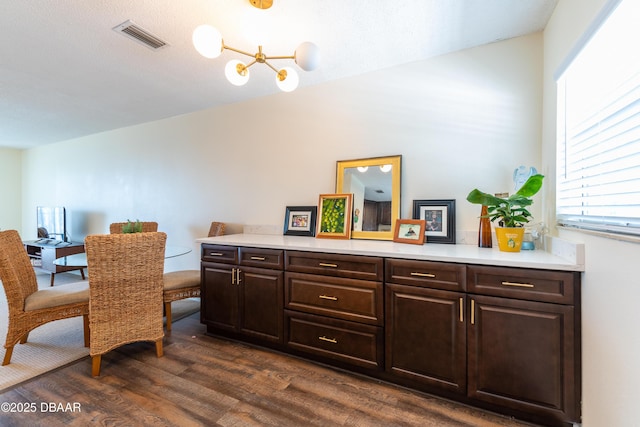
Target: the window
pixel 598 183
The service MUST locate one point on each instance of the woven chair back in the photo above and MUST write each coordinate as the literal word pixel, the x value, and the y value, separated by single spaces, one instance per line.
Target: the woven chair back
pixel 147 226
pixel 16 272
pixel 125 288
pixel 217 229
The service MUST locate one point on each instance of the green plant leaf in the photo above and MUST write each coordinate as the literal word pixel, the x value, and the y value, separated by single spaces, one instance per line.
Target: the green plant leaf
pixel 532 186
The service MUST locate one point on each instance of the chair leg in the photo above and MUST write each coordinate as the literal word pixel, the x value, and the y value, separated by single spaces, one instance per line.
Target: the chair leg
pixel 7 356
pixel 24 338
pixel 82 273
pixel 53 277
pixel 167 312
pixel 95 365
pixel 159 352
pixel 87 339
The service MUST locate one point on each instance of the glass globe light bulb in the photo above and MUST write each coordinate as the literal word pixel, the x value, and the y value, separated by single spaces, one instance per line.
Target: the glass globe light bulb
pixel 287 79
pixel 307 56
pixel 208 41
pixel 236 72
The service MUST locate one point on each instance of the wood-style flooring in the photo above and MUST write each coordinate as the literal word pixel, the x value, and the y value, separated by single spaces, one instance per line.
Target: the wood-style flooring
pixel 206 381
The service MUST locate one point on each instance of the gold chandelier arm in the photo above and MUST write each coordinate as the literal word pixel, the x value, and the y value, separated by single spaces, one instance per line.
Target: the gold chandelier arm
pixel 280 57
pixel 250 64
pixel 224 46
pixel 271 66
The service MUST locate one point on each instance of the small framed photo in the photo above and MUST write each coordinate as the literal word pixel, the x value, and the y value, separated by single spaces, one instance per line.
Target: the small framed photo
pixel 409 231
pixel 300 221
pixel 440 219
pixel 334 216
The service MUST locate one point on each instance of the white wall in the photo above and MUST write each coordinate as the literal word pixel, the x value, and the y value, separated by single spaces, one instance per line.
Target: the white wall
pixel 459 121
pixel 10 189
pixel 610 291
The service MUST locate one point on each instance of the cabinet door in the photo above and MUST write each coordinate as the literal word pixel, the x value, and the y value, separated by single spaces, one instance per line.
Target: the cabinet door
pixel 425 336
pixel 261 303
pixel 219 296
pixel 521 356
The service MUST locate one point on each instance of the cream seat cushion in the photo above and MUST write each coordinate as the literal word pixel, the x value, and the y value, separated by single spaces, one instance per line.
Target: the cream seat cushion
pixel 58 295
pixel 181 279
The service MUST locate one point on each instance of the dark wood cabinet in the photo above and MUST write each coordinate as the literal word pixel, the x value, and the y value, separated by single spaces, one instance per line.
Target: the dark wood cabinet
pixel 503 338
pixel 522 356
pixel 240 299
pixel 426 337
pixel 508 340
pixel 425 326
pixel 524 342
pixel 334 307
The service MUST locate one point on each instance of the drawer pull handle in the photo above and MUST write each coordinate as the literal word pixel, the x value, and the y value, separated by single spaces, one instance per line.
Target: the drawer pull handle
pixel 461 310
pixel 423 274
pixel 473 312
pixel 328 297
pixel 331 340
pixel 216 254
pixel 258 258
pixel 521 285
pixel 324 264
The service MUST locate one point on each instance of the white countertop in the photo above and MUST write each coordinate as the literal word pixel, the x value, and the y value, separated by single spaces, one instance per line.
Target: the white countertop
pixel 570 257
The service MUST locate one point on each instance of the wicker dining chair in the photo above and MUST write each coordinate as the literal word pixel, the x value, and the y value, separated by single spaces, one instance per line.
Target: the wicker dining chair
pixel 185 283
pixel 147 226
pixel 28 306
pixel 125 288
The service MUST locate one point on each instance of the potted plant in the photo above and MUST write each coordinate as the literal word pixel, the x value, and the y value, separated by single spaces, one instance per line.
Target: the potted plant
pixel 510 212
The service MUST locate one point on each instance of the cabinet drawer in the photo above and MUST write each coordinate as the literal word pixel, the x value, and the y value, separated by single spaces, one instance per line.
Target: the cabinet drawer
pixel 265 258
pixel 355 300
pixel 216 253
pixel 349 342
pixel 560 287
pixel 351 266
pixel 436 275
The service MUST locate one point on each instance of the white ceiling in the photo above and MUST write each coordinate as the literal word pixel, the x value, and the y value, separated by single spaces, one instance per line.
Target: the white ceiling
pixel 64 73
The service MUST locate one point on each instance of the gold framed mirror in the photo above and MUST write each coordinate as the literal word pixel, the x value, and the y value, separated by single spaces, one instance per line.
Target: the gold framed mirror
pixel 375 185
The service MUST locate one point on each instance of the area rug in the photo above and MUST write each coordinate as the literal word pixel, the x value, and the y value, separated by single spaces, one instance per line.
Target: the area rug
pixel 58 343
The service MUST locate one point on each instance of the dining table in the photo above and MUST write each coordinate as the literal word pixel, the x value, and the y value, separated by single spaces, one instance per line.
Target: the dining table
pixel 80 259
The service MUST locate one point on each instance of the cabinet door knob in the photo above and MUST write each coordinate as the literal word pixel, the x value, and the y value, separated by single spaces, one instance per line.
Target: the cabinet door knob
pixel 331 340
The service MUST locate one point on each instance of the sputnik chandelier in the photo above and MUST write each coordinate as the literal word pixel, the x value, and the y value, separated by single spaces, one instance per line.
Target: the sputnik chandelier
pixel 209 43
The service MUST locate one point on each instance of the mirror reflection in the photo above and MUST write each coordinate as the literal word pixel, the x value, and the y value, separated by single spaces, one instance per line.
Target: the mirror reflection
pixel 375 185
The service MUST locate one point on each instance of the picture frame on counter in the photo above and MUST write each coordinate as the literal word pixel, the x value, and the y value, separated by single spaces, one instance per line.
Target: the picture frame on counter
pixel 440 219
pixel 334 216
pixel 300 221
pixel 410 231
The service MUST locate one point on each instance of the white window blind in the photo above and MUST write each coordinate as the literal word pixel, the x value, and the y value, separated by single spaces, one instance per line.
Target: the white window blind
pixel 598 183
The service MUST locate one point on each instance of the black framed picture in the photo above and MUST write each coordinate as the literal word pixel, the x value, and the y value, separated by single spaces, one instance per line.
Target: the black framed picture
pixel 439 217
pixel 300 221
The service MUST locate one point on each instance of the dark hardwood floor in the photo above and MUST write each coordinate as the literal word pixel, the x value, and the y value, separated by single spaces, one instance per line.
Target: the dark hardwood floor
pixel 206 381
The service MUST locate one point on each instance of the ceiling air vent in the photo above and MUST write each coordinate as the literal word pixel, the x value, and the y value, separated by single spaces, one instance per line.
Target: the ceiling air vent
pixel 134 32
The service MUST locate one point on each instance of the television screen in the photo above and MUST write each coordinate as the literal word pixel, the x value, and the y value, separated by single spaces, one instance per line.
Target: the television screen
pixel 51 223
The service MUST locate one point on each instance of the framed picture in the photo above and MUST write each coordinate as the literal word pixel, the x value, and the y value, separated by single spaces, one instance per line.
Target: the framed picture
pixel 409 231
pixel 300 221
pixel 334 216
pixel 440 219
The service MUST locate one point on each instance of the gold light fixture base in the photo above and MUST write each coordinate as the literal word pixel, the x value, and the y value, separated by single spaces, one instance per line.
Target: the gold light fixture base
pixel 261 4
